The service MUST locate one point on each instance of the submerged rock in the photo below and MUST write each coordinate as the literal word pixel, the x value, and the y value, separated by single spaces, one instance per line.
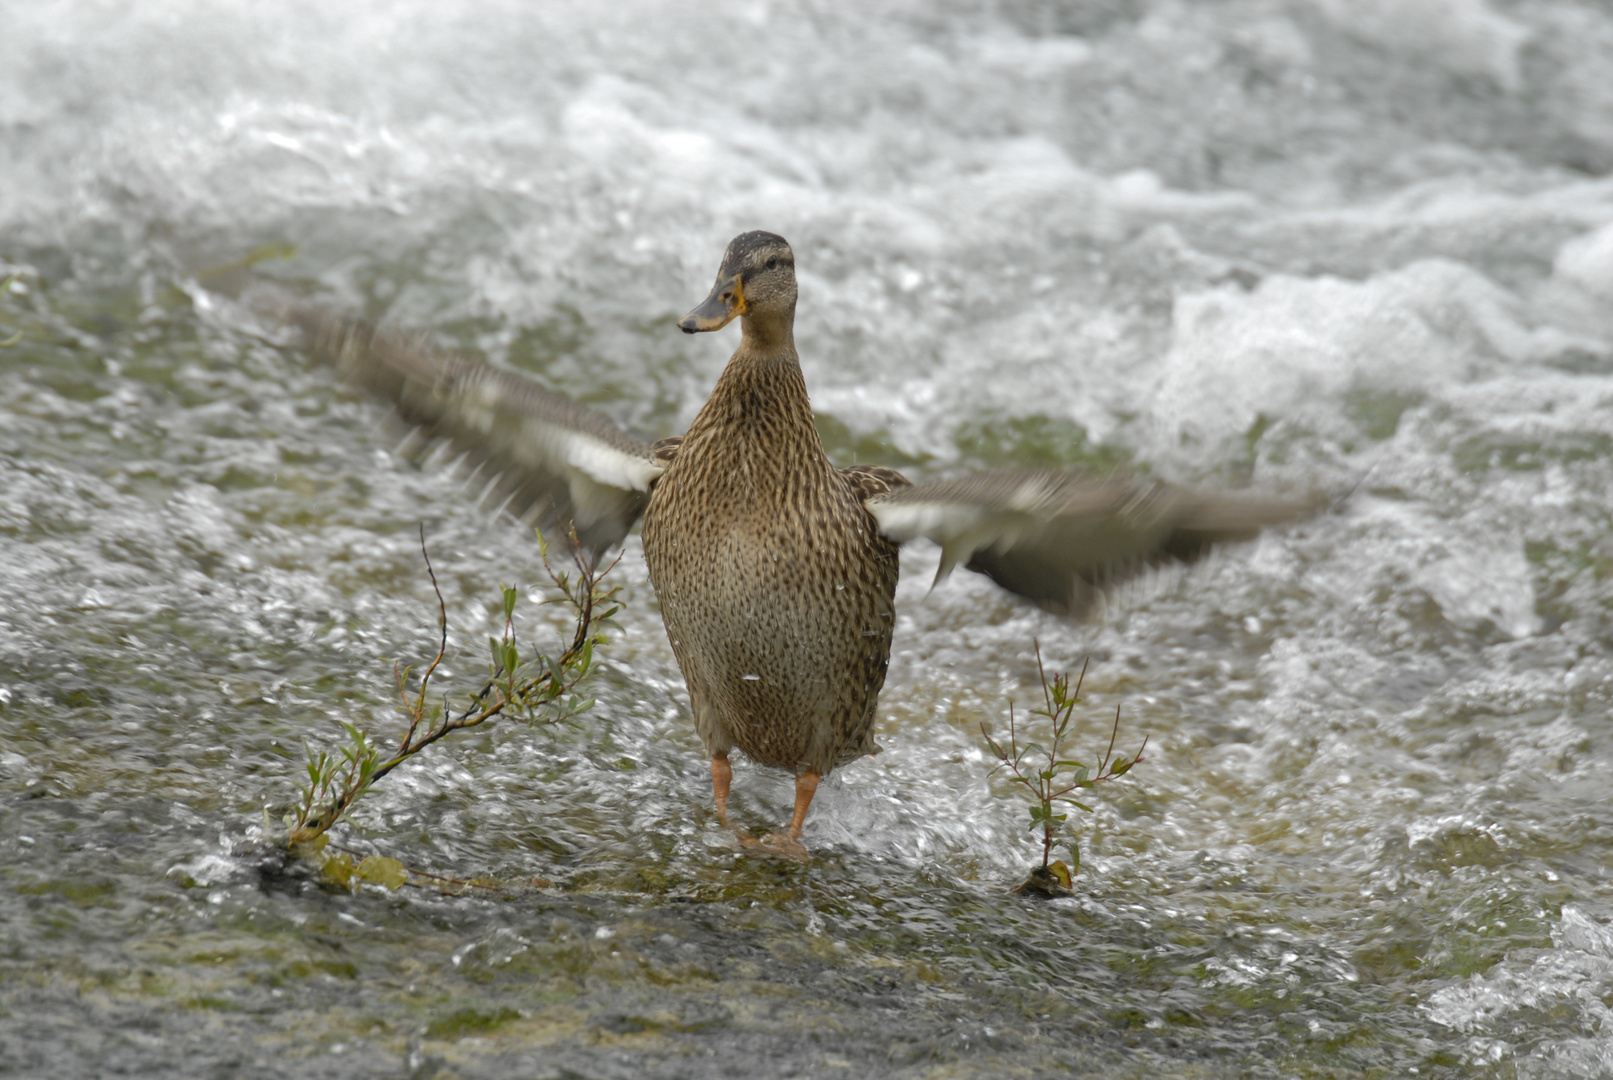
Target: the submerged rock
pixel 1047 882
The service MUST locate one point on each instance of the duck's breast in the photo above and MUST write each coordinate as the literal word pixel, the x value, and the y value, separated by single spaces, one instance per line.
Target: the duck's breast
pixel 777 599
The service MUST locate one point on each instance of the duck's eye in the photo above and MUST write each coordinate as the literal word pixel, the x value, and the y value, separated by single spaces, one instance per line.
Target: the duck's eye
pixel 772 262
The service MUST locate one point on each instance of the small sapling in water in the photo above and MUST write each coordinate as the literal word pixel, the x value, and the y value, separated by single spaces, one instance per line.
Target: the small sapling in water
pixel 1050 780
pixel 538 688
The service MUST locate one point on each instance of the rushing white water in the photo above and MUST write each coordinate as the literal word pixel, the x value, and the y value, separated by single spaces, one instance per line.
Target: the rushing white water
pixel 1345 246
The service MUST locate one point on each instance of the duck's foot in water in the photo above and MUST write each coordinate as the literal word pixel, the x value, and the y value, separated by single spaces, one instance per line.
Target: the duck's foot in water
pixel 779 846
pixel 788 845
pixel 776 845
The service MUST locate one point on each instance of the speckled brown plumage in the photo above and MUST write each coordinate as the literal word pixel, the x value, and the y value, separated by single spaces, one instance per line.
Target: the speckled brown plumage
pixel 774 582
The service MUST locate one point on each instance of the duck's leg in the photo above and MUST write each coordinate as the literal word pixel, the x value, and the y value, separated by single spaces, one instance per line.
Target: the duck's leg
pixel 806 786
pixel 788 845
pixel 722 775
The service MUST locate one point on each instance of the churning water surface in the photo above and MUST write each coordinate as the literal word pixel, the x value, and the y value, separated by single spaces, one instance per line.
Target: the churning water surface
pixel 1357 247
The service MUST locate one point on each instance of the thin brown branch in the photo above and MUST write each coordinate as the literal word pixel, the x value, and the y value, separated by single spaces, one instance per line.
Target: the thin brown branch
pixel 417 713
pixel 1013 744
pixel 1041 675
pixel 1114 732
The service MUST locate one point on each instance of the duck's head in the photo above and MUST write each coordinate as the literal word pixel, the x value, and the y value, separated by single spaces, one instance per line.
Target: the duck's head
pixel 757 280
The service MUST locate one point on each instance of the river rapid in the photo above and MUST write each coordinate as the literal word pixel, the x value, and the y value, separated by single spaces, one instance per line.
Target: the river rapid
pixel 1359 248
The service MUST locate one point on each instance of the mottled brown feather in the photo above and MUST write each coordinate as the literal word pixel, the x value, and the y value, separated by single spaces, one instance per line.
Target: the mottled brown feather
pixel 1059 538
pixel 522 442
pixel 776 588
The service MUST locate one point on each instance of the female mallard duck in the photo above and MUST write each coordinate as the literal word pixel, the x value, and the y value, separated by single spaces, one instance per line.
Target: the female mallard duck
pixel 775 570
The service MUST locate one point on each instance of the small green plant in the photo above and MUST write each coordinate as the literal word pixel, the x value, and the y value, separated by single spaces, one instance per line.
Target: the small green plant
pixel 1051 780
pixel 538 689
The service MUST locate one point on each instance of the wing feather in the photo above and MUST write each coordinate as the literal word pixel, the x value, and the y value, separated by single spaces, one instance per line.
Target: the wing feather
pixel 1059 538
pixel 548 460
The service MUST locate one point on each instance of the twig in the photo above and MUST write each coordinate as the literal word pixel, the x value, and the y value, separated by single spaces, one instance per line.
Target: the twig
pixel 335 785
pixel 1042 784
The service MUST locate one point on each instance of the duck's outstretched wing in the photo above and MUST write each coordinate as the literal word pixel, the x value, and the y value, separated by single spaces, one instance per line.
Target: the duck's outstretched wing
pixel 1059 538
pixel 538 456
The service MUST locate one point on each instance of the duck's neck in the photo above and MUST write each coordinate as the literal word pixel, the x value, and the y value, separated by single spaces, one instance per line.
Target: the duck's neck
pixel 760 403
pixel 770 331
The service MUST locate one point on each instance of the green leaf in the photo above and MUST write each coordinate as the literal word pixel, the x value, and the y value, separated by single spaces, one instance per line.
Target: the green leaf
pixel 379 870
pixel 510 595
pixel 357 736
pixel 578 707
pixel 1082 805
pixel 338 869
pixel 495 649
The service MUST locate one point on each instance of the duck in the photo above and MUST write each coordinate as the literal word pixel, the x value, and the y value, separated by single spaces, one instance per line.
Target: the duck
pixel 774 569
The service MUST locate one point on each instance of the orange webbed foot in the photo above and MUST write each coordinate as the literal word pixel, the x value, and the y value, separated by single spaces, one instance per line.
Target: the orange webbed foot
pixel 782 846
pixel 788 845
pixel 774 845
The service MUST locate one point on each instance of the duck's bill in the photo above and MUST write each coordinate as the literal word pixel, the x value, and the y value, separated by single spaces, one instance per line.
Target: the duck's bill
pixel 726 303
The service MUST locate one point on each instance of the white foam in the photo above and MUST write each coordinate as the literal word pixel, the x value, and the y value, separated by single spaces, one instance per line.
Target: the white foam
pixel 1572 976
pixel 1292 349
pixel 1587 262
pixel 1466 37
pixel 1475 588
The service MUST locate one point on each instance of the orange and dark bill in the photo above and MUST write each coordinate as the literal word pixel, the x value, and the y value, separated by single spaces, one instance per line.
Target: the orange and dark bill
pixel 726 303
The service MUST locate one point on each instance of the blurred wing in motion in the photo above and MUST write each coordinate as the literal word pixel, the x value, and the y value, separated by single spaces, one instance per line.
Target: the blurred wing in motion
pixel 1059 538
pixel 874 481
pixel 543 458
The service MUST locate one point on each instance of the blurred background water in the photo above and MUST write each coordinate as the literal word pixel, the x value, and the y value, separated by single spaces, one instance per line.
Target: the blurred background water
pixel 1307 245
